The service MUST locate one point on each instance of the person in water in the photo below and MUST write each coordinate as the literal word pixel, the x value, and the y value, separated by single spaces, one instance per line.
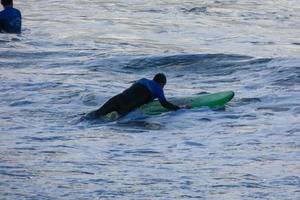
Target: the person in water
pixel 10 18
pixel 141 92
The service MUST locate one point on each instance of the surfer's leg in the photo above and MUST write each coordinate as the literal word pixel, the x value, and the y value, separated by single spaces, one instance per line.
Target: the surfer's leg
pixel 110 106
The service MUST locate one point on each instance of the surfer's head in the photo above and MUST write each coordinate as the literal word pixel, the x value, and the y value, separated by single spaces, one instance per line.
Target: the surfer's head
pixel 7 3
pixel 161 79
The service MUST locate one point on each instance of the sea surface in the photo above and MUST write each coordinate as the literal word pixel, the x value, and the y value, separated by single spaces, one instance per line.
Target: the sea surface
pixel 74 55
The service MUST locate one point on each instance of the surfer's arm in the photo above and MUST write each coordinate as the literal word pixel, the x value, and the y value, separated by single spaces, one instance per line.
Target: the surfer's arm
pixel 169 105
pixel 166 104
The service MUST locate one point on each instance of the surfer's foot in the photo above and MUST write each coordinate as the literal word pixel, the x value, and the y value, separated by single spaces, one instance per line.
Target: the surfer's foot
pixel 90 116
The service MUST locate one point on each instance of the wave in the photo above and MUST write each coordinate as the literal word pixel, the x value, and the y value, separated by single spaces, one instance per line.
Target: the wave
pixel 183 59
pixel 270 71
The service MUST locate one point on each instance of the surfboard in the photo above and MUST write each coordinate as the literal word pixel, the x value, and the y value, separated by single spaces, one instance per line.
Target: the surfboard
pixel 213 100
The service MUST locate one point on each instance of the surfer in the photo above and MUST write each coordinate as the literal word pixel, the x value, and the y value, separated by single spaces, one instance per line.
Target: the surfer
pixel 10 18
pixel 141 92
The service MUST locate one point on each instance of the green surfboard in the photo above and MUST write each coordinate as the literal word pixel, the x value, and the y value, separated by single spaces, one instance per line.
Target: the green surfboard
pixel 213 100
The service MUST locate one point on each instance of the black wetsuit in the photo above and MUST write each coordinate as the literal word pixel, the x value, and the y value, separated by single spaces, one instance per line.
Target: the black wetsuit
pixel 140 93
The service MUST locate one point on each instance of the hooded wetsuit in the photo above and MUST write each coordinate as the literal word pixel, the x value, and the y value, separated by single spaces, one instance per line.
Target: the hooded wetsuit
pixel 140 93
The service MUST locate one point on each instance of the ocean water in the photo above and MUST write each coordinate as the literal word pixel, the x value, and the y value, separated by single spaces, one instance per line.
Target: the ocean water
pixel 73 55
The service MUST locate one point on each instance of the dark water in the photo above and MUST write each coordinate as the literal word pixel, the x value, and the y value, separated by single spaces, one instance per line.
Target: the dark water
pixel 73 55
